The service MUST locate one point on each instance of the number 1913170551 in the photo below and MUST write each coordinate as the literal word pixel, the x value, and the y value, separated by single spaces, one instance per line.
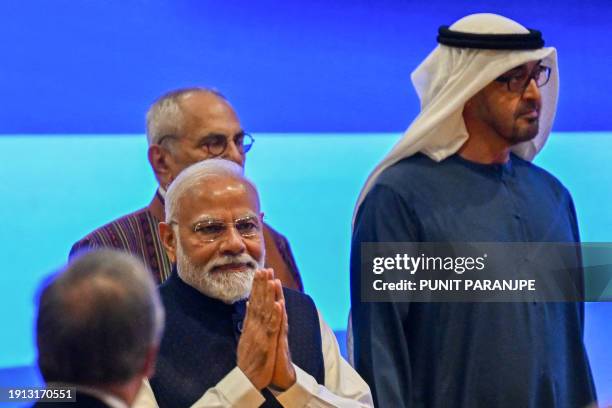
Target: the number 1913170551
pixel 54 394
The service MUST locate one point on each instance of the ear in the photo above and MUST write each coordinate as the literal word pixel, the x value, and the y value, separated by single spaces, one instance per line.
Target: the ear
pixel 168 238
pixel 161 162
pixel 470 107
pixel 148 368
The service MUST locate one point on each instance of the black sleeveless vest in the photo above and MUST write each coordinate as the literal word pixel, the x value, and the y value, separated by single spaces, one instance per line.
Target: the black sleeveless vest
pixel 201 337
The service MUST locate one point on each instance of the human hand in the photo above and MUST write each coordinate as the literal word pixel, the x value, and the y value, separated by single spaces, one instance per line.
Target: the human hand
pixel 258 342
pixel 284 373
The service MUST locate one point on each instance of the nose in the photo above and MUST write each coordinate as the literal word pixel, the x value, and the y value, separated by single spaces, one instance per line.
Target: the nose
pixel 532 91
pixel 234 153
pixel 232 243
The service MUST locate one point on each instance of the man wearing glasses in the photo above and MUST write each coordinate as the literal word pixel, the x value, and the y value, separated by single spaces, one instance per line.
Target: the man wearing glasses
pixel 218 350
pixel 463 173
pixel 186 126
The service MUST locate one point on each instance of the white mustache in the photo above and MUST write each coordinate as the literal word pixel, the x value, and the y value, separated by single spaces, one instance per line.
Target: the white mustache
pixel 233 259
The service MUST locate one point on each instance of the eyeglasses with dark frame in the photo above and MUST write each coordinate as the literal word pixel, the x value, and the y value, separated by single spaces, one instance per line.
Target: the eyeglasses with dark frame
pixel 210 230
pixel 518 83
pixel 216 144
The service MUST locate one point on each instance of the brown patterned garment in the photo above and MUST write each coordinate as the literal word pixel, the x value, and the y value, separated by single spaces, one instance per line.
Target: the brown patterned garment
pixel 137 234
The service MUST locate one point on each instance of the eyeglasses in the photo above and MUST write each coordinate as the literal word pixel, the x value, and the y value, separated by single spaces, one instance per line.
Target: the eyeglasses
pixel 211 230
pixel 216 144
pixel 520 81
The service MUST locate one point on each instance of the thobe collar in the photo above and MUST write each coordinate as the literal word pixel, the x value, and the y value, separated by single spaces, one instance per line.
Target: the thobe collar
pixel 493 169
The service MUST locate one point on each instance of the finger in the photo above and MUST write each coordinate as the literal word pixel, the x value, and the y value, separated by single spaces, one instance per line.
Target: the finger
pixel 257 294
pixel 271 284
pixel 285 320
pixel 283 341
pixel 283 338
pixel 272 325
pixel 279 290
pixel 270 297
pixel 249 322
pixel 246 310
pixel 276 316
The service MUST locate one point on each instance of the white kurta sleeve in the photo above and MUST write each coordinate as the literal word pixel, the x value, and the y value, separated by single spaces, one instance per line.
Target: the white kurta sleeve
pixel 234 390
pixel 343 386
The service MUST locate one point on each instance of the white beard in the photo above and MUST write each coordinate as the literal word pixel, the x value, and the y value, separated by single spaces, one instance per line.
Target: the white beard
pixel 228 287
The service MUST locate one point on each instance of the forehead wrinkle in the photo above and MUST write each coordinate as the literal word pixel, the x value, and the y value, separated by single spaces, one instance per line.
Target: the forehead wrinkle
pixel 210 188
pixel 203 109
pixel 216 186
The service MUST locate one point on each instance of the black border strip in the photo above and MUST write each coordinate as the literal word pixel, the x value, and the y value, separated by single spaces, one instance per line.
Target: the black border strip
pixel 531 41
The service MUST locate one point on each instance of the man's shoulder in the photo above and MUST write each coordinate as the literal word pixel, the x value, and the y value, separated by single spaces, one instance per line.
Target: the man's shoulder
pixel 407 170
pixel 292 295
pixel 412 176
pixel 115 233
pixel 81 400
pixel 538 175
pixel 300 303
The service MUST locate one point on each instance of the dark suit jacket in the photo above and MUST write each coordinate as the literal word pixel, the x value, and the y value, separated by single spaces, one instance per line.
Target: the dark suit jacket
pixel 82 401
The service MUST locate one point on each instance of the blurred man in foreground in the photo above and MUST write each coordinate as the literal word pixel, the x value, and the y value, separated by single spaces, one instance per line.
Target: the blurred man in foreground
pixel 98 329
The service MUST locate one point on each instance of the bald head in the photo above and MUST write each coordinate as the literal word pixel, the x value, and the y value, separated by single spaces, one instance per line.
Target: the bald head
pixel 168 114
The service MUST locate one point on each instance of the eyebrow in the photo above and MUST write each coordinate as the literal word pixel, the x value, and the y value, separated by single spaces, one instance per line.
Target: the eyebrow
pixel 214 134
pixel 210 219
pixel 248 217
pixel 210 135
pixel 205 219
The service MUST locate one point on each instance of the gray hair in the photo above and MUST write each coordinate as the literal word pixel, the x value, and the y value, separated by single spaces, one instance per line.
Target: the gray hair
pixel 195 174
pixel 97 320
pixel 165 116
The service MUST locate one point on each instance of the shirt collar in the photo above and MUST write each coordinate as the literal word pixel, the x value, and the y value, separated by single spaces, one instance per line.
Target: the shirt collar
pixel 111 400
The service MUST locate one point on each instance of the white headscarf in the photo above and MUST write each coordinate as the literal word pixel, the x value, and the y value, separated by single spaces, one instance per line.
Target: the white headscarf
pixel 449 77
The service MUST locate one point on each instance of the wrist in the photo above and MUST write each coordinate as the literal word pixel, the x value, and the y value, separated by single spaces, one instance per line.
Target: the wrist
pixel 254 377
pixel 284 384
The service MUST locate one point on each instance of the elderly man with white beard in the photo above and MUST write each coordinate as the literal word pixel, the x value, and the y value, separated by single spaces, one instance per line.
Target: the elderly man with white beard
pixel 218 349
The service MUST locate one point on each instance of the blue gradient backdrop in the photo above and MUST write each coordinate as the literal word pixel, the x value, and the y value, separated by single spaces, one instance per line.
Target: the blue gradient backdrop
pixel 294 66
pixel 323 85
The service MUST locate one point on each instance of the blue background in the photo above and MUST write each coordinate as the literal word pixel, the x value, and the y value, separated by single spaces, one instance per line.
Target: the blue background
pixel 323 85
pixel 288 66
